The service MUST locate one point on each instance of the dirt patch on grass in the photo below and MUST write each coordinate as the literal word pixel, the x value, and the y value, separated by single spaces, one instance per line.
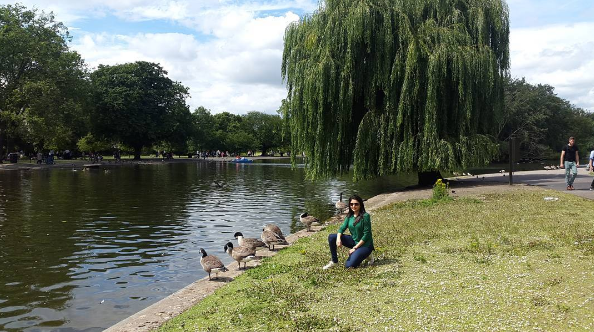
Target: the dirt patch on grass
pixel 457 189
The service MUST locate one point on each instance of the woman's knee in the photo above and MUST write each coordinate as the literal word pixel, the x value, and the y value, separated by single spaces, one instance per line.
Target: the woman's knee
pixel 357 258
pixel 332 238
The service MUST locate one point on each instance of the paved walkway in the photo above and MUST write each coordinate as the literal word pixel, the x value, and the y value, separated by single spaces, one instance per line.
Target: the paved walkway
pixel 550 179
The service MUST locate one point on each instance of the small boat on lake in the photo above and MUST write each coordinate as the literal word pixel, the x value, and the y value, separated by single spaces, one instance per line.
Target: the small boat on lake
pixel 241 160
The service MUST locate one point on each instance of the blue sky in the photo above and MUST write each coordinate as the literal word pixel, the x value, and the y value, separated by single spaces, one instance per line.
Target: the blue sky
pixel 228 52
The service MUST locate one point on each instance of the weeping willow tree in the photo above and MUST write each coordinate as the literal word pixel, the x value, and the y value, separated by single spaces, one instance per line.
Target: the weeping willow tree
pixel 393 86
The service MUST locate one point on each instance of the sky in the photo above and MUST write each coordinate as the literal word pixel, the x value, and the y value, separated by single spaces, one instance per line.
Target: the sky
pixel 228 52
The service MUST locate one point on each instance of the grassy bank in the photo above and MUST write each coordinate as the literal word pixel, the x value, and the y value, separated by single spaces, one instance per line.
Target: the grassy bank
pixel 498 262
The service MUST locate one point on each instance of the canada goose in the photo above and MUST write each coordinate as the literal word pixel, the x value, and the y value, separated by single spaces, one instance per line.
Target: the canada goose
pixel 248 242
pixel 271 239
pixel 275 229
pixel 340 205
pixel 211 264
pixel 307 220
pixel 240 254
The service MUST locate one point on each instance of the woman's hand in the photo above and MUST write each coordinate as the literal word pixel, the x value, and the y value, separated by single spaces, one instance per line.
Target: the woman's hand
pixel 338 242
pixel 351 251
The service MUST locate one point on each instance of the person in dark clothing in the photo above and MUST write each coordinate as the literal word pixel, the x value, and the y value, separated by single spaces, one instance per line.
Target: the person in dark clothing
pixel 591 167
pixel 570 160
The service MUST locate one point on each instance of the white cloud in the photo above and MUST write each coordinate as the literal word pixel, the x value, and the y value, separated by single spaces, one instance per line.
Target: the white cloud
pixel 238 72
pixel 233 60
pixel 558 55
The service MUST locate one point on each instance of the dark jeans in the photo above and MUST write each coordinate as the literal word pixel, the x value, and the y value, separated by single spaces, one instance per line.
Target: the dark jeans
pixel 355 258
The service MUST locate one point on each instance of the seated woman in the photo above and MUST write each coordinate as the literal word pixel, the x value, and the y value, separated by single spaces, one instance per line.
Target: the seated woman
pixel 360 241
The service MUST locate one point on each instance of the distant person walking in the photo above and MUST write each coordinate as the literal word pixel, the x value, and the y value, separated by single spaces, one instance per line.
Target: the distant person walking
pixel 591 167
pixel 570 160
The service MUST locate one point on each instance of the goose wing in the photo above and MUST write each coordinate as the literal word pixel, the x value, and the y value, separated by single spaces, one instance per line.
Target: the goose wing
pixel 211 262
pixel 242 252
pixel 309 220
pixel 341 205
pixel 275 229
pixel 270 237
pixel 253 243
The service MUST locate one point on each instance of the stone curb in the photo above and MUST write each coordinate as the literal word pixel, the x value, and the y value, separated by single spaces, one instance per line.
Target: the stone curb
pixel 158 313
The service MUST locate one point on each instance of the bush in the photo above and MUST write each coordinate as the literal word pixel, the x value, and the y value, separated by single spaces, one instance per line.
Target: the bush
pixel 440 190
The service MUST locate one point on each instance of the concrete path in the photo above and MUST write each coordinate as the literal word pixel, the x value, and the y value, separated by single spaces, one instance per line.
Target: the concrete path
pixel 550 179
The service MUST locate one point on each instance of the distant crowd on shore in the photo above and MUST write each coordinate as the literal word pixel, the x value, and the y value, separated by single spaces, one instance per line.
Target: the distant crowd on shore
pixel 50 157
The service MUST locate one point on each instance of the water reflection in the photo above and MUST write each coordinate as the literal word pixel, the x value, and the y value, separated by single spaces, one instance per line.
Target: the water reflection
pixel 82 250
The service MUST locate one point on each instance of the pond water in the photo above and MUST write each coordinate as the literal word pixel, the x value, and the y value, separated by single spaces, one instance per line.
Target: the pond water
pixel 80 251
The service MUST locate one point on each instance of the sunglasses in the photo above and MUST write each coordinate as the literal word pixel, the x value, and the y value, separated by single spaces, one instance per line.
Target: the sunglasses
pixel 354 204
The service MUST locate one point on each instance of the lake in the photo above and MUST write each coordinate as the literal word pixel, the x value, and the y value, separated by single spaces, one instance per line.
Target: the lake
pixel 82 250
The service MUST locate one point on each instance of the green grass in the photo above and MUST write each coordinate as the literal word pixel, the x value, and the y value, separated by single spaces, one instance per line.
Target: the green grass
pixel 505 262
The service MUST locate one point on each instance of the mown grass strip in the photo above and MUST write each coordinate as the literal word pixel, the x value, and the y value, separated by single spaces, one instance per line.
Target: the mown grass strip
pixel 495 262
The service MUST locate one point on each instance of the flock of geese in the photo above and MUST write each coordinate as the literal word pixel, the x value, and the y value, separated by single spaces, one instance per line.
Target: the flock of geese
pixel 245 252
pixel 461 174
pixel 552 167
pixel 246 249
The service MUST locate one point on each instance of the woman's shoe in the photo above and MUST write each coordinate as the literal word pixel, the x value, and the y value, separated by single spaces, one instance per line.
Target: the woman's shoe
pixel 329 265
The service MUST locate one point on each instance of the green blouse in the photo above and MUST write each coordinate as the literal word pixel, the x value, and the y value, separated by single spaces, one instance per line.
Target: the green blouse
pixel 361 231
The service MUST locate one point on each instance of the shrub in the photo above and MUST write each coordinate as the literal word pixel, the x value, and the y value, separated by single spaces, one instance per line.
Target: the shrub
pixel 440 190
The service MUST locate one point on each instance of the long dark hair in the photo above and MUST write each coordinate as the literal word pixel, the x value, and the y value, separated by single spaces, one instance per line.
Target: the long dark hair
pixel 361 208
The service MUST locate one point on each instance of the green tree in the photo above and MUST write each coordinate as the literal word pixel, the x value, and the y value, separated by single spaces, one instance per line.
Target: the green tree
pixel 89 143
pixel 203 137
pixel 137 104
pixel 225 126
pixel 396 85
pixel 527 107
pixel 265 128
pixel 42 83
pixel 239 141
pixel 541 121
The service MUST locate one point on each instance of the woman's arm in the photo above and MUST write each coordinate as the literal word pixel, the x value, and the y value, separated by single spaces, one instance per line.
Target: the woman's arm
pixel 366 228
pixel 341 230
pixel 359 245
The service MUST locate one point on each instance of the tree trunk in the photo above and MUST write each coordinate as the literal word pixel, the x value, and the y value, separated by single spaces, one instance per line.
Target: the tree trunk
pixel 428 179
pixel 137 151
pixel 264 151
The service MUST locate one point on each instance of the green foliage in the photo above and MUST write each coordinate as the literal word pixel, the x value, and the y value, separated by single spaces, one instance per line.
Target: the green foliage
pixel 43 85
pixel 440 190
pixel 541 121
pixel 265 128
pixel 91 144
pixel 235 133
pixel 203 135
pixel 395 86
pixel 137 104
